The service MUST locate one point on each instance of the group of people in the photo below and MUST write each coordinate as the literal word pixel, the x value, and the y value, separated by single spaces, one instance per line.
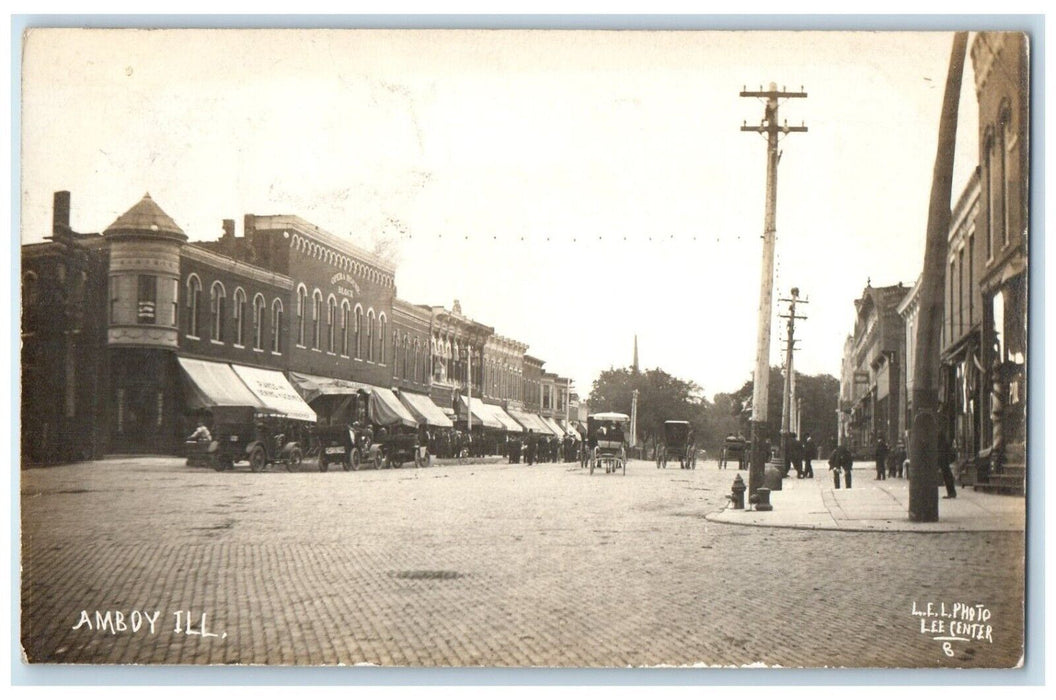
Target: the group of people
pixel 894 463
pixel 536 448
pixel 800 456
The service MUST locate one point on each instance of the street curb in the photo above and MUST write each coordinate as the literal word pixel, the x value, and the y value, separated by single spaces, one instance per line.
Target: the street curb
pixel 718 517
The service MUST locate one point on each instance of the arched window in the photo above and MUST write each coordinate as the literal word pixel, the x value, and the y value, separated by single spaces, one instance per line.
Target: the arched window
pixel 239 311
pixel 345 313
pixel 276 326
pixel 217 295
pixel 370 335
pixel 194 300
pixel 359 332
pixel 258 322
pixel 331 323
pixel 383 333
pixel 317 317
pixel 302 309
pixel 1005 131
pixel 417 365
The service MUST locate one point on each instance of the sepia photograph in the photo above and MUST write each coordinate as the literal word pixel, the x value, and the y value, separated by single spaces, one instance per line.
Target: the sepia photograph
pixel 524 348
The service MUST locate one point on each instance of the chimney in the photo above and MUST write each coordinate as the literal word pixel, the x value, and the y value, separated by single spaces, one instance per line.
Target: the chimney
pixel 249 225
pixel 229 229
pixel 60 221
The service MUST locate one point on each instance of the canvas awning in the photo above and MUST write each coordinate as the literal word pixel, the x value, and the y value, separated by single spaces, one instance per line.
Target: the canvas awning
pixel 312 387
pixel 554 428
pixel 521 418
pixel 569 430
pixel 275 392
pixel 215 384
pixel 423 408
pixel 481 416
pixel 507 421
pixel 386 409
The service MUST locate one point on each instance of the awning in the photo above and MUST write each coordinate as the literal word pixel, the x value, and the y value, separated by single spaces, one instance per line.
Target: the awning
pixel 507 421
pixel 423 408
pixel 386 409
pixel 569 430
pixel 481 416
pixel 312 387
pixel 216 384
pixel 554 428
pixel 275 392
pixel 534 422
pixel 521 418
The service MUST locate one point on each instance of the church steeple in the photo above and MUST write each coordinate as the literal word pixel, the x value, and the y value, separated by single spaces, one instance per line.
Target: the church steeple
pixel 634 365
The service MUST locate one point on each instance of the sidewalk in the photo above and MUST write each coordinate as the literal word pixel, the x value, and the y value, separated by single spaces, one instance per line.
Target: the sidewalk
pixel 872 505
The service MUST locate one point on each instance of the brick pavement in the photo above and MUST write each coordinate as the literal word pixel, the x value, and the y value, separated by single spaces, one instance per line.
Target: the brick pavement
pixel 496 565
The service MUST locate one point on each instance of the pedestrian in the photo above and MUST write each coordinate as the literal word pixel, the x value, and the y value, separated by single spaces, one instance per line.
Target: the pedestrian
pixel 810 453
pixel 899 458
pixel 882 451
pixel 795 449
pixel 530 452
pixel 841 460
pixel 947 455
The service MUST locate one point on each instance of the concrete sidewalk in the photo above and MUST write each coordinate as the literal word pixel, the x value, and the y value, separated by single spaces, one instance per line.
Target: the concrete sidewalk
pixel 873 505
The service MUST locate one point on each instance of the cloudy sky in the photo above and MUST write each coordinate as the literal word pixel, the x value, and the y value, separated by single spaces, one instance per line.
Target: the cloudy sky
pixel 571 189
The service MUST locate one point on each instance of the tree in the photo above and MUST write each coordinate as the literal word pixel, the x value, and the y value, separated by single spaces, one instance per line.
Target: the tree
pixel 660 397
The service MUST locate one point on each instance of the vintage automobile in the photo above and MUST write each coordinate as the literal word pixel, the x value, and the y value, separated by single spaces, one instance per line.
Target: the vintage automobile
pixel 678 444
pixel 607 438
pixel 249 434
pixel 393 445
pixel 337 446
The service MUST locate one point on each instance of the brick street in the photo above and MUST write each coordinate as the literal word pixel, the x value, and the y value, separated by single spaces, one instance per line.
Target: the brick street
pixel 493 565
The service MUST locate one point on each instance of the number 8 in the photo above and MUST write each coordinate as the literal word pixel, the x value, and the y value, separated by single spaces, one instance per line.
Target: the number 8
pixel 947 648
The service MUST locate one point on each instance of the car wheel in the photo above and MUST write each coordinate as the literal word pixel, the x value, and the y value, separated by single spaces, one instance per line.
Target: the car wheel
pixel 295 459
pixel 379 461
pixel 257 459
pixel 354 460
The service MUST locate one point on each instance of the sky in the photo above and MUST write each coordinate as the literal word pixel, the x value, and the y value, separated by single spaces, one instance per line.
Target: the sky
pixel 570 189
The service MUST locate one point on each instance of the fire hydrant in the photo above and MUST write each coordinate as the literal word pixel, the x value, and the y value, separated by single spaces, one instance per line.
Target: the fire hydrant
pixel 737 493
pixel 761 499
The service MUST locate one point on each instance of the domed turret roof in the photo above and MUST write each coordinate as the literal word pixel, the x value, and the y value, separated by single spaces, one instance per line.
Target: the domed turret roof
pixel 146 217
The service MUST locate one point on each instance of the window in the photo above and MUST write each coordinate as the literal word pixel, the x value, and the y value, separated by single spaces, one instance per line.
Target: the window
pixel 1005 137
pixel 302 303
pixel 258 322
pixel 971 276
pixel 331 323
pixel 115 296
pixel 276 327
pixel 146 298
pixel 359 332
pixel 194 300
pixel 345 312
pixel 370 335
pixel 989 193
pixel 240 316
pixel 950 307
pixel 30 290
pixel 382 334
pixel 317 317
pixel 396 353
pixel 174 294
pixel 216 311
pixel 960 291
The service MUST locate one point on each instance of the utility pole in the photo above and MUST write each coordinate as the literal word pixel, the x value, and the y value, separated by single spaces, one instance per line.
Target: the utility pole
pixel 924 434
pixel 787 405
pixel 773 131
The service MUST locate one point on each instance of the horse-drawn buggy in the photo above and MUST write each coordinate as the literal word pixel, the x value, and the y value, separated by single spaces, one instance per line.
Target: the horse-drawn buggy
pixel 734 449
pixel 678 444
pixel 607 440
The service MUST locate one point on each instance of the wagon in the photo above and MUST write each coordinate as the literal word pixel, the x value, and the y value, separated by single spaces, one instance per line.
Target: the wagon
pixel 678 444
pixel 734 449
pixel 607 438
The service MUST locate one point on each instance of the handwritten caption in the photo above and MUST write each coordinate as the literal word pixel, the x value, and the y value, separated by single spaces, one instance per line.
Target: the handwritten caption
pixel 146 622
pixel 954 622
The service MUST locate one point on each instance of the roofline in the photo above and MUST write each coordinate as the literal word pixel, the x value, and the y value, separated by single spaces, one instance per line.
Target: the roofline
pixel 274 222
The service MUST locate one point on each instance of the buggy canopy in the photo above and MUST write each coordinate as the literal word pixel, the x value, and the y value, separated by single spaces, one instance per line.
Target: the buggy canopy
pixel 312 387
